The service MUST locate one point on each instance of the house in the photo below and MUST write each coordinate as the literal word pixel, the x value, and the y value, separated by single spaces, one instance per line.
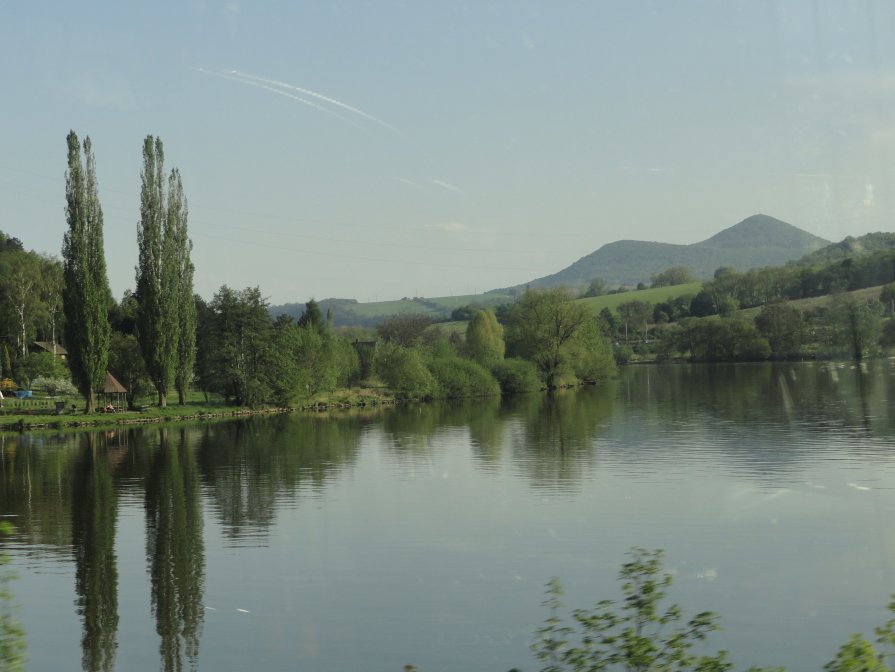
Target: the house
pixel 49 346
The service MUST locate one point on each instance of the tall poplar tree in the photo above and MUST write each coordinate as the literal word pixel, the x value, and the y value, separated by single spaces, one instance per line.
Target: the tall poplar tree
pixel 86 295
pixel 156 298
pixel 182 246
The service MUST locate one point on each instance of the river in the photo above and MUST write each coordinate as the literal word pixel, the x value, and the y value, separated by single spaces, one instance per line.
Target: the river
pixel 425 534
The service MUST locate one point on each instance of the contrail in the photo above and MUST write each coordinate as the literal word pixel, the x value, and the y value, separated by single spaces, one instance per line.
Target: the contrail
pixel 278 92
pixel 319 96
pixel 445 185
pixel 409 183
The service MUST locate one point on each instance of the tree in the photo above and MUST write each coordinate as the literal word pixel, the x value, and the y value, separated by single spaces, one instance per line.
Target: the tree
pixel 782 326
pixel 639 635
pixel 180 248
pixel 857 655
pixel 156 315
pixel 636 314
pixel 403 329
pixel 484 339
pixel 86 295
pixel 126 364
pixel 676 275
pixel 544 327
pixel 856 325
pixel 403 371
pixel 239 361
pixel 22 279
pixel 51 294
pixel 596 287
pixel 312 317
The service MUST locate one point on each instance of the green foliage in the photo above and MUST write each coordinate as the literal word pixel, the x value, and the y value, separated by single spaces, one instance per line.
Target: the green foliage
pixel 86 295
pixel 856 326
pixel 596 287
pixel 313 360
pixel 37 364
pixel 7 364
pixel 126 364
pixel 405 329
pixel 156 274
pixel 783 327
pixel 458 378
pixel 239 361
pixel 312 317
pixel 640 634
pixel 13 643
pixel 721 340
pixel 676 275
pixel 612 300
pixel 403 371
pixel 516 376
pixel 549 329
pixel 634 316
pixel 887 298
pixel 179 247
pixel 856 655
pixel 484 339
pixel 20 281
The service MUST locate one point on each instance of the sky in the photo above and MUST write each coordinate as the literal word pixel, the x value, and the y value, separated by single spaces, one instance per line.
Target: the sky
pixel 376 150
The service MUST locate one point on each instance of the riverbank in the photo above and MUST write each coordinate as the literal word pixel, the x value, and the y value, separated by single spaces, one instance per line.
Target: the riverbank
pixel 23 420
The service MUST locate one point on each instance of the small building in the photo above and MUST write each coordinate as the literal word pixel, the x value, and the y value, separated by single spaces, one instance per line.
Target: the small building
pixel 115 392
pixel 49 346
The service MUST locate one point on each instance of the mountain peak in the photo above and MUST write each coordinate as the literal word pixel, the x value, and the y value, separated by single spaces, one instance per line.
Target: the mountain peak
pixel 759 240
pixel 764 230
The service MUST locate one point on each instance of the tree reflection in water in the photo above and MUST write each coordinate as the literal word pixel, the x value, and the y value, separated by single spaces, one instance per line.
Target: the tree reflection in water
pixel 94 513
pixel 175 549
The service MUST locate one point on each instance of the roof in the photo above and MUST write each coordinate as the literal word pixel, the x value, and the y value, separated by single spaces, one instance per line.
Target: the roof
pixel 112 386
pixel 49 346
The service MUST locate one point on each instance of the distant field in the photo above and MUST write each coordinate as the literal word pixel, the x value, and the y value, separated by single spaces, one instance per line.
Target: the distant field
pixel 440 304
pixel 867 294
pixel 657 295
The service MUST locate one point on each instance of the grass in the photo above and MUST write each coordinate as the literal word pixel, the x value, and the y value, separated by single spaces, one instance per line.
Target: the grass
pixel 866 294
pixel 425 306
pixel 656 295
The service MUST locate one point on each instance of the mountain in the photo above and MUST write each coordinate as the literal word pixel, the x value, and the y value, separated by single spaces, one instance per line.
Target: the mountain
pixel 757 241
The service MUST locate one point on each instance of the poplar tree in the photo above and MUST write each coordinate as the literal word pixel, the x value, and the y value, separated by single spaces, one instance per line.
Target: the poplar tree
pixel 182 246
pixel 157 301
pixel 86 295
pixel 166 312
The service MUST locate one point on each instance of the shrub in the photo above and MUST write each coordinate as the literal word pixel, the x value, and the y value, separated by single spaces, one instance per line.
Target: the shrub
pixel 459 378
pixel 516 376
pixel 403 371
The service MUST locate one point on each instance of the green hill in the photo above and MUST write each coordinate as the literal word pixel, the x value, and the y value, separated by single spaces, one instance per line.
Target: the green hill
pixel 757 241
pixel 849 247
pixel 349 312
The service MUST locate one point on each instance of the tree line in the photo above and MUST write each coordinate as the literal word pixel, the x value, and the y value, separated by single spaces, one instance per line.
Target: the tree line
pixel 162 337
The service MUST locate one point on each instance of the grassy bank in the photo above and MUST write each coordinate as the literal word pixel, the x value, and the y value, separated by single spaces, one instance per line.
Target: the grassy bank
pixel 36 414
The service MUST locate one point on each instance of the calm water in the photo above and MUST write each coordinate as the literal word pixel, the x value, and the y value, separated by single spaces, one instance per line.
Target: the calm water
pixel 426 534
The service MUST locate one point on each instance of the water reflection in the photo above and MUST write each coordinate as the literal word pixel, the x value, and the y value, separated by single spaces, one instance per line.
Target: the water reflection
pixel 94 507
pixel 775 430
pixel 175 549
pixel 251 466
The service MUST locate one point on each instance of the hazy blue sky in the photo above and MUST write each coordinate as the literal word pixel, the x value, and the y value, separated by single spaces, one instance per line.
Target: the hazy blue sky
pixel 383 149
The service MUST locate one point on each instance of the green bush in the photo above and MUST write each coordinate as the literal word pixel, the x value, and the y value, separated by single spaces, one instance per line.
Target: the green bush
pixel 403 371
pixel 460 378
pixel 516 376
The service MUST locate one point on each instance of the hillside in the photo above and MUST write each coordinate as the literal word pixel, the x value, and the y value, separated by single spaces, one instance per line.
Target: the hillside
pixel 757 241
pixel 848 248
pixel 349 312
